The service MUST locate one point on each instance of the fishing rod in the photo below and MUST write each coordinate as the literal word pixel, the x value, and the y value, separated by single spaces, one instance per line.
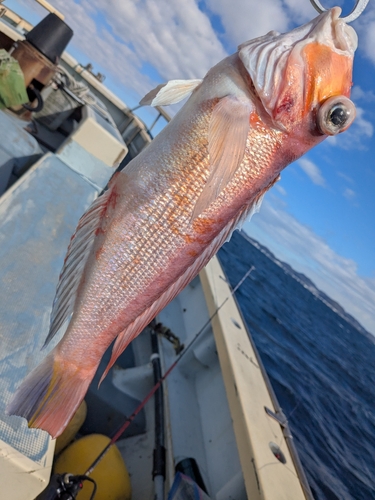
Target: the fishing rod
pixel 66 487
pixel 156 386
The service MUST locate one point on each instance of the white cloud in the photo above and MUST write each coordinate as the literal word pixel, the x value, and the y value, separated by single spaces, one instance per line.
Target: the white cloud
pixel 345 177
pixel 306 252
pixel 281 190
pixel 358 94
pixel 172 39
pixel 301 12
pixel 361 125
pixel 247 19
pixel 349 194
pixel 365 27
pixel 312 171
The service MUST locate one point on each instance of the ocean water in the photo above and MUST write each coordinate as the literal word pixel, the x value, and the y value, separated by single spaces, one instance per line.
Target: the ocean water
pixel 321 366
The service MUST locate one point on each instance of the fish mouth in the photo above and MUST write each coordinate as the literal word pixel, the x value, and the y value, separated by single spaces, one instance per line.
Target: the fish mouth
pixel 266 58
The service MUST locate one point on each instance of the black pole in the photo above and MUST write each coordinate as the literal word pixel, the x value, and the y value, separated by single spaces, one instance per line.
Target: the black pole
pixel 158 472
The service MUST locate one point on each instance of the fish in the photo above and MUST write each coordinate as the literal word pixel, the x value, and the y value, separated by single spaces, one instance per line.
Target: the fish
pixel 170 209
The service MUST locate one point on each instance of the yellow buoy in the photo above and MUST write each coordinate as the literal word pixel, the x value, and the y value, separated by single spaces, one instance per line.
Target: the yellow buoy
pixel 110 475
pixel 73 427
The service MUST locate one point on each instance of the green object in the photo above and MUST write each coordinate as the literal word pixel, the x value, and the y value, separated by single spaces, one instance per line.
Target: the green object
pixel 12 83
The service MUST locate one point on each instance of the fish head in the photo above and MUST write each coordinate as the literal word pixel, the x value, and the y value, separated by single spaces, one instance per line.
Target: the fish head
pixel 302 79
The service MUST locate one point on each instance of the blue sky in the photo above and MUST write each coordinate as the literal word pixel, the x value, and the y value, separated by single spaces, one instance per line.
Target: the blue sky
pixel 320 216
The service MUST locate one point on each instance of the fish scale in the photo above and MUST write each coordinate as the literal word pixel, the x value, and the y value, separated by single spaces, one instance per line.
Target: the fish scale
pixel 163 237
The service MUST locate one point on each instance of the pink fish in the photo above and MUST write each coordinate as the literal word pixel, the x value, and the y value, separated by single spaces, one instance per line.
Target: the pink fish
pixel 167 213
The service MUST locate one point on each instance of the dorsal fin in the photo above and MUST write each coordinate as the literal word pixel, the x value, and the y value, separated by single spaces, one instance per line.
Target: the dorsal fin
pixel 126 336
pixel 170 93
pixel 75 260
pixel 227 135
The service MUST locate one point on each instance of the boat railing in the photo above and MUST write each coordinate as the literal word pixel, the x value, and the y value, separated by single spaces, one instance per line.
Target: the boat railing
pixel 278 414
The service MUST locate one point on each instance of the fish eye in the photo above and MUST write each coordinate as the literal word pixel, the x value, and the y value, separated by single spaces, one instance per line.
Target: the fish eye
pixel 335 115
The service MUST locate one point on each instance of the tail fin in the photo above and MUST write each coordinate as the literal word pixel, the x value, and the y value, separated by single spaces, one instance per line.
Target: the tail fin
pixel 50 394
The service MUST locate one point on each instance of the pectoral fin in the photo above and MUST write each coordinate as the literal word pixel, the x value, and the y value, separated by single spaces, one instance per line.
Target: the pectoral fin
pixel 170 93
pixel 227 135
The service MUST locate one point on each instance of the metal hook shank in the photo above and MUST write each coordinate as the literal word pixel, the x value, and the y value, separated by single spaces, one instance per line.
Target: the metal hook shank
pixel 358 8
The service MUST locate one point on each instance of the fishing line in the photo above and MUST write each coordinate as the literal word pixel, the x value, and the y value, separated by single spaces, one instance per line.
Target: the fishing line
pixel 129 419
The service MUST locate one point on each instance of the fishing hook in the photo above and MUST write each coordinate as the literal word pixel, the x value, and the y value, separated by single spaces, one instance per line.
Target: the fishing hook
pixel 358 8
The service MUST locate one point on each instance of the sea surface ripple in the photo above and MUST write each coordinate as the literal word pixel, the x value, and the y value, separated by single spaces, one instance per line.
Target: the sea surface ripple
pixel 321 367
